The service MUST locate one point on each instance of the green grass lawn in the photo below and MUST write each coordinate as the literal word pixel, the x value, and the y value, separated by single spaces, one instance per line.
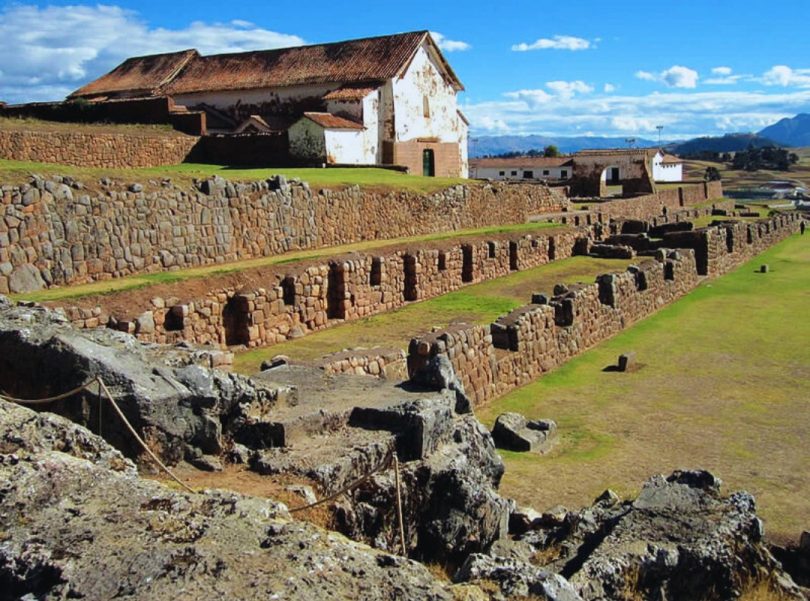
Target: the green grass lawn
pixel 723 385
pixel 165 277
pixel 16 171
pixel 479 303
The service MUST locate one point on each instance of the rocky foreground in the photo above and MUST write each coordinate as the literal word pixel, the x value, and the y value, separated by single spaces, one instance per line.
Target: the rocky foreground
pixel 77 521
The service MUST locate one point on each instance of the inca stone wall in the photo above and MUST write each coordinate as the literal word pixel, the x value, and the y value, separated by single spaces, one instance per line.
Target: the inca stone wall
pixel 108 150
pixel 536 338
pixel 57 232
pixel 297 299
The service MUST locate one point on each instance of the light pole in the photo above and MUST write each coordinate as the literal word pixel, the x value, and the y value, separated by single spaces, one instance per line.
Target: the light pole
pixel 659 128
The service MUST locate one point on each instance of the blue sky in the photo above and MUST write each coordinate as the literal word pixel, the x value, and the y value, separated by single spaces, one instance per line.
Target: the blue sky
pixel 557 68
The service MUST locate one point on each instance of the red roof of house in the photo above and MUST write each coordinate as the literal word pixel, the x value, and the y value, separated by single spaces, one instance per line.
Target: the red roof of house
pixel 138 76
pixel 670 159
pixel 522 162
pixel 351 92
pixel 355 61
pixel 330 121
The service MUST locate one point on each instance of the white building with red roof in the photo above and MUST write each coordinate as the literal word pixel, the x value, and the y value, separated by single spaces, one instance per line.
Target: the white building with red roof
pixel 381 100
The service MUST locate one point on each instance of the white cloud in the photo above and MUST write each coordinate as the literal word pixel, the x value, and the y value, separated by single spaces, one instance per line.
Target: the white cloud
pixel 557 42
pixel 782 75
pixel 609 88
pixel 724 77
pixel 449 45
pixel 46 53
pixel 677 76
pixel 567 89
pixel 684 114
pixel 532 98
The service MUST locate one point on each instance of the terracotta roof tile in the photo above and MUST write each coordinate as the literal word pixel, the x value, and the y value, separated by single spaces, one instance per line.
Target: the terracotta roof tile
pixel 362 61
pixel 330 121
pixel 138 76
pixel 517 162
pixel 351 92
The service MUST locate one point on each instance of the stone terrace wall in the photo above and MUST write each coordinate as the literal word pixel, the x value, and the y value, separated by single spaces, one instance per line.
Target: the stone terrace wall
pixel 106 150
pixel 663 202
pixel 58 233
pixel 302 299
pixel 537 338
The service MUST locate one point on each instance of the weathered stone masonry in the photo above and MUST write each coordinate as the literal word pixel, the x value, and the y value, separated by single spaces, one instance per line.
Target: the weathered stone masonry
pixel 534 339
pixel 58 233
pixel 101 150
pixel 300 299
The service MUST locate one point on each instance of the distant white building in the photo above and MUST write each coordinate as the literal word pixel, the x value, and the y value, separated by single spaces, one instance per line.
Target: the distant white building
pixel 666 167
pixel 522 168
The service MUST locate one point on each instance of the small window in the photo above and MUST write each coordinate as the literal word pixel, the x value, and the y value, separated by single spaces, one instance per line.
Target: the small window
pixel 528 175
pixel 514 173
pixel 563 173
pixel 501 173
pixel 442 262
pixel 492 247
pixel 375 277
pixel 546 172
pixel 426 106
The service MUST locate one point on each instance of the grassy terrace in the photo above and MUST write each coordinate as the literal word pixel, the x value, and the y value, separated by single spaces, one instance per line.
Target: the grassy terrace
pixel 384 179
pixel 479 303
pixel 164 277
pixel 722 386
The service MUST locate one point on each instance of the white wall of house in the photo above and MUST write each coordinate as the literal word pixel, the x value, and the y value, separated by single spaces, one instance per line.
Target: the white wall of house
pixel 367 112
pixel 462 145
pixel 348 146
pixel 307 141
pixel 424 80
pixel 666 172
pixel 516 173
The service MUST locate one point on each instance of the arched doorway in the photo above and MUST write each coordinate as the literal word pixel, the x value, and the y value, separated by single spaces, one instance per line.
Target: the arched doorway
pixel 428 162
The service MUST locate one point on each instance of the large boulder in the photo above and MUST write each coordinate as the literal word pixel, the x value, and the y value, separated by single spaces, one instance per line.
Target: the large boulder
pixel 513 432
pixel 178 406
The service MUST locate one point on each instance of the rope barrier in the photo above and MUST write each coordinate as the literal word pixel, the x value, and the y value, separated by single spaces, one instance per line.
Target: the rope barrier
pixel 103 391
pixel 352 485
pixel 102 387
pixel 50 399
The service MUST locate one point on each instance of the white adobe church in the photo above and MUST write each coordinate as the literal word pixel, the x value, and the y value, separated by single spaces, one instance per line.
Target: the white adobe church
pixel 382 100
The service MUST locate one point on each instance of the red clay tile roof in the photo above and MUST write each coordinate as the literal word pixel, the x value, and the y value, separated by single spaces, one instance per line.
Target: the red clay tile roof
pixel 517 162
pixel 351 92
pixel 138 76
pixel 364 61
pixel 617 151
pixel 670 159
pixel 330 121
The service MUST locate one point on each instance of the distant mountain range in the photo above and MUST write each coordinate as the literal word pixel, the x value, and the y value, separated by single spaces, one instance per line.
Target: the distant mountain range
pixel 491 145
pixel 790 132
pixel 727 143
pixel 787 132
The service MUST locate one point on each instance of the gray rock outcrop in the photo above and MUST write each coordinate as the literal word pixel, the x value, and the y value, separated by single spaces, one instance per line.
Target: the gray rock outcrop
pixel 180 407
pixel 77 522
pixel 680 539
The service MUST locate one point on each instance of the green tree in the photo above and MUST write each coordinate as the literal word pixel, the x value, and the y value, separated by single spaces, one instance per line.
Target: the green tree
pixel 712 174
pixel 551 151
